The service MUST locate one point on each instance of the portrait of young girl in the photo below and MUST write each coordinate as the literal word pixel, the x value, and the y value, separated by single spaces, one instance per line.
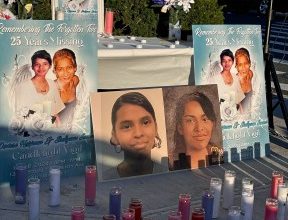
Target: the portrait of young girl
pixel 129 131
pixel 193 126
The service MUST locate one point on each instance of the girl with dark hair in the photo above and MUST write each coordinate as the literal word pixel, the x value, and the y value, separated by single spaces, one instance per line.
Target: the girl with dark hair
pixel 65 67
pixel 245 75
pixel 195 121
pixel 39 93
pixel 228 85
pixel 134 130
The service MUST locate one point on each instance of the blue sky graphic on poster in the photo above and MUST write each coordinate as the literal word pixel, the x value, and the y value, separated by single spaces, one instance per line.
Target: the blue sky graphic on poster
pixel 29 133
pixel 242 96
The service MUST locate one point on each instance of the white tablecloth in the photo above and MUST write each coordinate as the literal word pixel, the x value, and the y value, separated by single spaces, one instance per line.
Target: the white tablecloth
pixel 156 64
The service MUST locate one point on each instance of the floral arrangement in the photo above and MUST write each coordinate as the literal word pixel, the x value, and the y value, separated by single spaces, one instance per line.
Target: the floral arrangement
pixel 177 4
pixel 27 122
pixel 5 13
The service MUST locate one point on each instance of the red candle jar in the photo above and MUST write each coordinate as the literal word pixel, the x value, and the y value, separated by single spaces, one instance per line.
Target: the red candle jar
pixel 90 185
pixel 271 209
pixel 136 204
pixel 128 214
pixel 108 22
pixel 77 213
pixel 198 214
pixel 277 177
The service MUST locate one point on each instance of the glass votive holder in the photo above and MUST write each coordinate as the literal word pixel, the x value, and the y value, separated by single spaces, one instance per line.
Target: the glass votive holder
pixel 247 183
pixel 128 214
pixel 234 213
pixel 78 213
pixel 115 202
pixel 228 188
pixel 216 186
pixel 277 177
pixel 109 217
pixel 20 183
pixel 174 215
pixel 34 198
pixel 198 214
pixel 109 18
pixel 184 202
pixel 54 188
pixel 207 203
pixel 247 203
pixel 90 185
pixel 137 205
pixel 271 209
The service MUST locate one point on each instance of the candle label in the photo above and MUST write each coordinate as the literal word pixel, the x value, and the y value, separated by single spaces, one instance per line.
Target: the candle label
pixel 243 110
pixel 46 124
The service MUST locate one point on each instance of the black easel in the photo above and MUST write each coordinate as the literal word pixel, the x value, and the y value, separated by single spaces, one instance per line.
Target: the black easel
pixel 271 72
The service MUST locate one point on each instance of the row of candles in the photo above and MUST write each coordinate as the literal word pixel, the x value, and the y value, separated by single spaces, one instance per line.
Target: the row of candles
pixel 138 46
pixel 275 207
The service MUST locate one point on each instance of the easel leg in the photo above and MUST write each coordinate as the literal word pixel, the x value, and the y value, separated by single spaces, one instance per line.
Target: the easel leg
pixel 268 91
pixel 279 93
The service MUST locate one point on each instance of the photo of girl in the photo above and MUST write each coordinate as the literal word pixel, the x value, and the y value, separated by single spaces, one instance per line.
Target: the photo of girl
pixel 245 75
pixel 39 93
pixel 196 131
pixel 229 89
pixel 136 134
pixel 65 68
pixel 44 97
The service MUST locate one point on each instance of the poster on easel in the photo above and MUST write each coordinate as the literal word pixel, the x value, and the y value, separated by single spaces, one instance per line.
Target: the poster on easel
pixel 231 56
pixel 48 69
pixel 152 131
pixel 78 10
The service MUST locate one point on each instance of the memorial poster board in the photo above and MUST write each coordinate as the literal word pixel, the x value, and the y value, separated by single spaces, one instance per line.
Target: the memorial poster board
pixel 75 9
pixel 231 56
pixel 134 130
pixel 46 122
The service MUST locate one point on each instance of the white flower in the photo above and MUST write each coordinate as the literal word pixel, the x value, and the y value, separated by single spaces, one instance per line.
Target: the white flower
pixel 228 111
pixel 165 8
pixel 23 112
pixel 37 124
pixel 16 125
pixel 185 4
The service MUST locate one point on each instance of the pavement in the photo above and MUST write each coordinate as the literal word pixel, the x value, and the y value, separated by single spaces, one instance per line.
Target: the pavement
pixel 159 193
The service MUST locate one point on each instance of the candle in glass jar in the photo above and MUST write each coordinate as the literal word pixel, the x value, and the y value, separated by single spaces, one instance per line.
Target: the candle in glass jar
pixel 34 198
pixel 136 204
pixel 90 185
pixel 77 213
pixel 54 189
pixel 234 213
pixel 247 202
pixel 228 188
pixel 286 209
pixel 282 194
pixel 109 217
pixel 207 204
pixel 108 21
pixel 215 186
pixel 128 214
pixel 271 209
pixel 20 183
pixel 60 15
pixel 115 202
pixel 247 183
pixel 174 215
pixel 198 214
pixel 277 177
pixel 184 201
